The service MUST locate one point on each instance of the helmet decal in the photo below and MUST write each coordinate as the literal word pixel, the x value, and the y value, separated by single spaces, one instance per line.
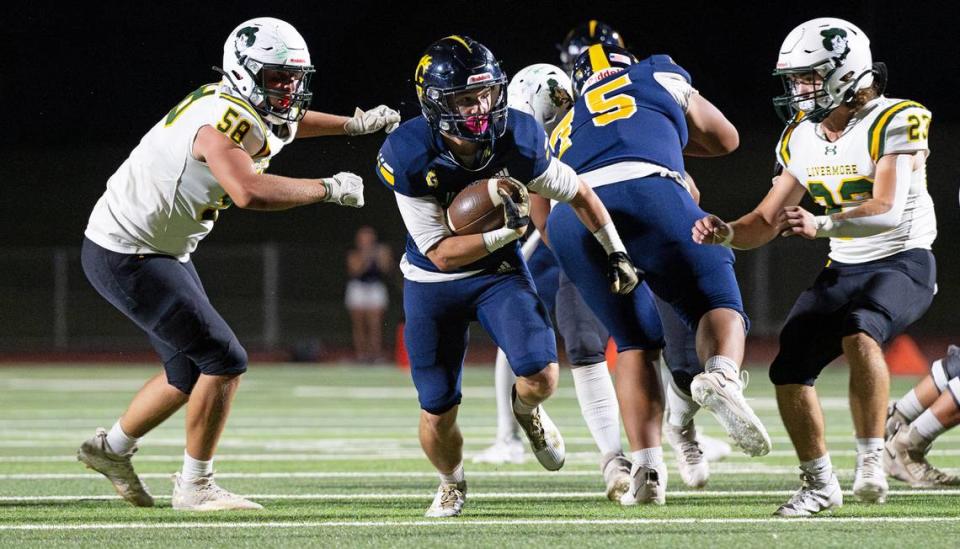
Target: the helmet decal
pixel 835 40
pixel 422 67
pixel 245 38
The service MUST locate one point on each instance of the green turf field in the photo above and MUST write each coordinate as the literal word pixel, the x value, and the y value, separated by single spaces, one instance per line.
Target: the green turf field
pixel 333 455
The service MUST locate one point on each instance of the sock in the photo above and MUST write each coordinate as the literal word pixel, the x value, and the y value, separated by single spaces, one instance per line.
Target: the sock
pixel 866 445
pixel 928 426
pixel 195 468
pixel 598 405
pixel 456 477
pixel 820 469
pixel 120 442
pixel 504 379
pixel 682 408
pixel 522 408
pixel 725 365
pixel 648 457
pixel 910 406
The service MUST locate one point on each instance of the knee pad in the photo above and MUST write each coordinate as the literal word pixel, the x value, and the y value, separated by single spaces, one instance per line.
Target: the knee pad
pixel 233 361
pixel 946 368
pixel 954 386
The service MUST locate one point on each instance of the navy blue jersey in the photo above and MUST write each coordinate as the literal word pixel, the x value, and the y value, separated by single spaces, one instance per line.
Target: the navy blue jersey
pixel 415 162
pixel 627 116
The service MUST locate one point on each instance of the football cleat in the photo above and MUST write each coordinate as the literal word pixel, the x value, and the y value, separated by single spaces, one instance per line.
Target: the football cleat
pixel 905 459
pixel 506 450
pixel 545 439
pixel 723 397
pixel 895 419
pixel 690 459
pixel 616 474
pixel 870 482
pixel 811 498
pixel 96 454
pixel 714 449
pixel 647 485
pixel 203 494
pixel 449 500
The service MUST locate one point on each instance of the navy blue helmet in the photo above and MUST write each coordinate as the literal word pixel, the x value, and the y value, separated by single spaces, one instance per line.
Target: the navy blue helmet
pixel 453 72
pixel 597 62
pixel 583 36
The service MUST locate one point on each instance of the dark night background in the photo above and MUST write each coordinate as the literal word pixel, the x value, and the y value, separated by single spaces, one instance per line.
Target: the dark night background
pixel 84 83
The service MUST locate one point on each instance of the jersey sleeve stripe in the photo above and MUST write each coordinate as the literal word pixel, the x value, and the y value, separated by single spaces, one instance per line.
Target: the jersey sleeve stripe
pixel 879 127
pixel 785 144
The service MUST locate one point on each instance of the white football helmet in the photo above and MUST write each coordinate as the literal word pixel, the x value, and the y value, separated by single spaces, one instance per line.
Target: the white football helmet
pixel 836 51
pixel 266 61
pixel 542 91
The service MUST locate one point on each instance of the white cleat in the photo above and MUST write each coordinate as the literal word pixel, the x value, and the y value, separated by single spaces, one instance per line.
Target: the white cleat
pixel 616 474
pixel 691 461
pixel 870 482
pixel 714 449
pixel 508 450
pixel 545 439
pixel 811 499
pixel 723 397
pixel 449 500
pixel 647 485
pixel 96 454
pixel 905 459
pixel 203 494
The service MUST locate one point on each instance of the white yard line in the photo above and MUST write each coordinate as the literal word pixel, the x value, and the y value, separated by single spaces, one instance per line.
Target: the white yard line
pixel 464 523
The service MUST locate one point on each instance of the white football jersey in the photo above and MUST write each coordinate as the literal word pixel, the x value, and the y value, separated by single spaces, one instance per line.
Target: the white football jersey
pixel 839 175
pixel 164 201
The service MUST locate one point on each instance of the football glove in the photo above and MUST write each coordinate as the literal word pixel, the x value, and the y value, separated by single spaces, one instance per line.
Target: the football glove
pixel 375 119
pixel 345 189
pixel 515 214
pixel 623 275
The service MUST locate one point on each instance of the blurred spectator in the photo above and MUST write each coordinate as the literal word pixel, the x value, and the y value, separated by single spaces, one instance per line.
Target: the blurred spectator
pixel 367 266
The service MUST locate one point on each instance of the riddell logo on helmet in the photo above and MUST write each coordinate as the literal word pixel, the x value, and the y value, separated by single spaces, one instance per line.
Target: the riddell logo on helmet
pixel 482 77
pixel 298 60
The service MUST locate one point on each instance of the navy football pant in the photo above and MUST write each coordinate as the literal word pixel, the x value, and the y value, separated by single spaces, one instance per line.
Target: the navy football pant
pixel 879 298
pixel 438 316
pixel 165 298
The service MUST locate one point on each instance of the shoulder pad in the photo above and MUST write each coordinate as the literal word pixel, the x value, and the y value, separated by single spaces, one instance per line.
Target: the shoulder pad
pixel 665 63
pixel 405 154
pixel 903 126
pixel 783 146
pixel 531 143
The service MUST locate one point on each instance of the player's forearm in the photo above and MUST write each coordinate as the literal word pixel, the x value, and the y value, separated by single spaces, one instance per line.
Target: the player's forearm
pixel 315 124
pixel 752 231
pixel 275 192
pixel 454 252
pixel 589 209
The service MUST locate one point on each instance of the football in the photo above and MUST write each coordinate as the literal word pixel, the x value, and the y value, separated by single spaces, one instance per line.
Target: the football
pixel 478 208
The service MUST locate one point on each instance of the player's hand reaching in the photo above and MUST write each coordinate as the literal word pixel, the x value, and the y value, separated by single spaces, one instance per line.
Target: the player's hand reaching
pixel 712 230
pixel 378 118
pixel 623 275
pixel 797 222
pixel 345 189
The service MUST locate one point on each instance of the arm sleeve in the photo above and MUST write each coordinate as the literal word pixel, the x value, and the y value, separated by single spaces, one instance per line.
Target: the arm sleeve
pixel 424 219
pixel 558 182
pixel 677 86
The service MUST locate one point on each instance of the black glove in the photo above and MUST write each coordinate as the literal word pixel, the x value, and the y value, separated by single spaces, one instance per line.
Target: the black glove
pixel 623 275
pixel 515 215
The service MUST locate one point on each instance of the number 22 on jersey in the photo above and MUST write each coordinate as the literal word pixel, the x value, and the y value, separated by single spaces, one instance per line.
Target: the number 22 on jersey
pixel 604 103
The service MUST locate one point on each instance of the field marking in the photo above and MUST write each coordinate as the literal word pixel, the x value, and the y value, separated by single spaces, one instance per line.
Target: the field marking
pixel 426 496
pixel 461 523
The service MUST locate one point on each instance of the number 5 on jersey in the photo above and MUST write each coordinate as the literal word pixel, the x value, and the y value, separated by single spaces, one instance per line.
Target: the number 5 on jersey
pixel 604 103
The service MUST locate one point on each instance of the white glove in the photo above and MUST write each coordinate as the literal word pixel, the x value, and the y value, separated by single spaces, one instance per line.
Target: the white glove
pixel 345 189
pixel 377 118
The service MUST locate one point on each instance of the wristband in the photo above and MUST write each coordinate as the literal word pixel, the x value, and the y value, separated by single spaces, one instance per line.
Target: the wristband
pixel 498 238
pixel 608 237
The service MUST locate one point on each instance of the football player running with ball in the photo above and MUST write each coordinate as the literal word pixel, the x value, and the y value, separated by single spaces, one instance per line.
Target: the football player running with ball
pixel 208 153
pixel 862 156
pixel 467 133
